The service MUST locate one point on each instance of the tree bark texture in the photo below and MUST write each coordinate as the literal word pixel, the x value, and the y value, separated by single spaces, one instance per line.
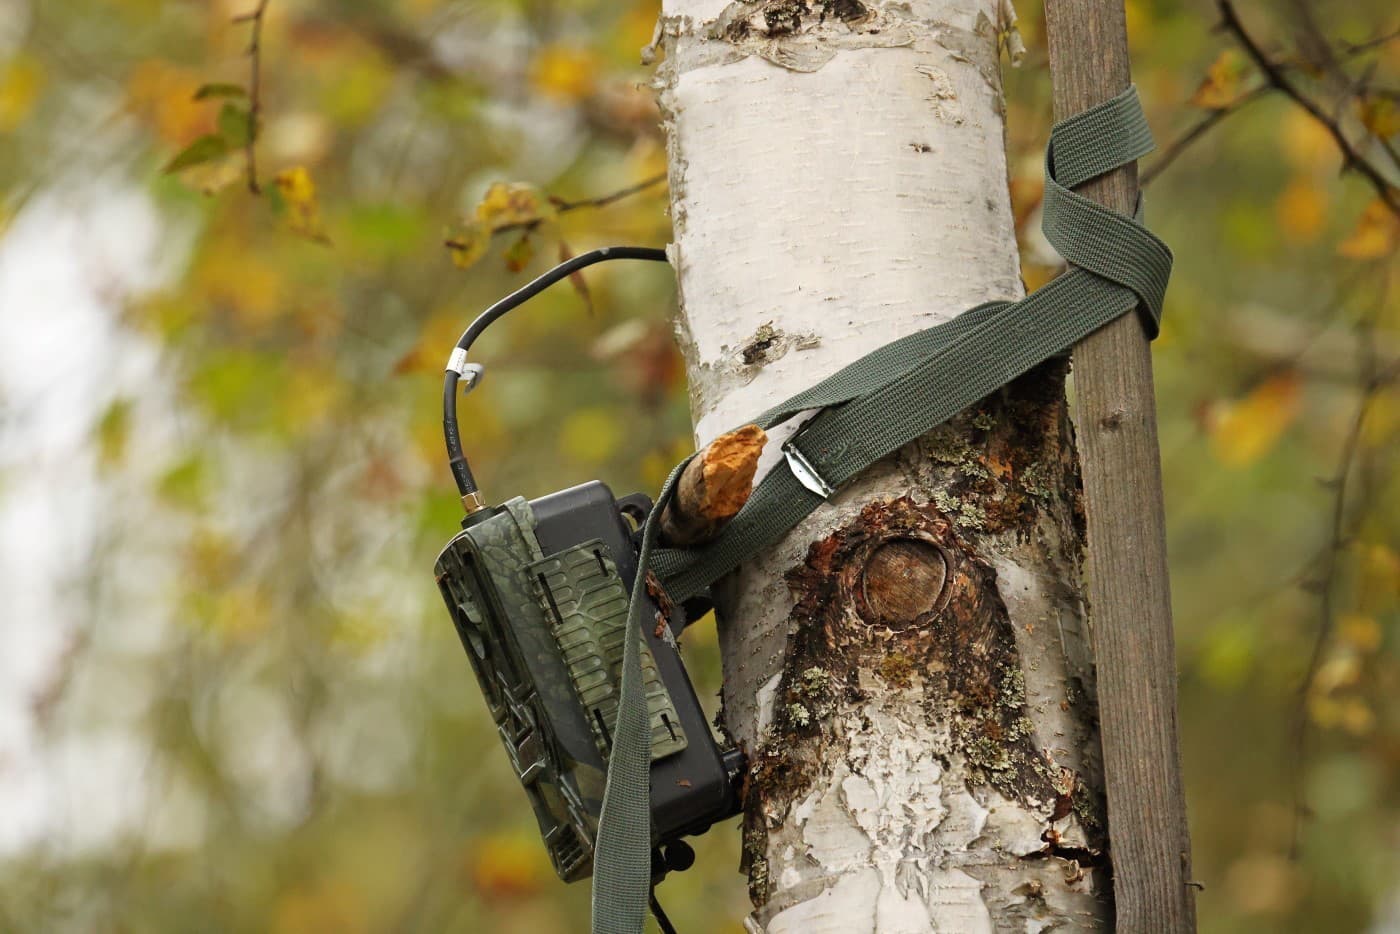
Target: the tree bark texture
pixel 909 668
pixel 1128 580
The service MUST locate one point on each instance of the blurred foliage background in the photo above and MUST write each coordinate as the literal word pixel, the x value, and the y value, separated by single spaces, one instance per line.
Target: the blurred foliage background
pixel 248 711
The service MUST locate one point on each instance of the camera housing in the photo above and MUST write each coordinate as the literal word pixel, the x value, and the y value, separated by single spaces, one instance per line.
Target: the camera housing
pixel 538 592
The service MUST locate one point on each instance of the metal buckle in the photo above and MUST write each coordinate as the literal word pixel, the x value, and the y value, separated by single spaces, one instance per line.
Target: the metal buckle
pixel 803 469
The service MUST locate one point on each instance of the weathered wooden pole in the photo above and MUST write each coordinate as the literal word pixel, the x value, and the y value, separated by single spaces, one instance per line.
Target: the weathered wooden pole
pixel 1129 594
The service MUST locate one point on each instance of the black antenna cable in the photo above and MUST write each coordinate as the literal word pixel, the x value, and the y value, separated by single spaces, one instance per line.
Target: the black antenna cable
pixel 459 369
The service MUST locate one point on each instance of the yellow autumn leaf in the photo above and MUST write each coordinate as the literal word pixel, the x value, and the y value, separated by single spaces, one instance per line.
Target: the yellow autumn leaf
pixel 299 195
pixel 1223 81
pixel 21 80
pixel 243 283
pixel 163 95
pixel 1243 430
pixel 1359 631
pixel 510 203
pixel 1380 115
pixel 1349 713
pixel 1340 671
pixel 1357 717
pixel 1301 210
pixel 468 243
pixel 506 865
pixel 564 72
pixel 1379 587
pixel 296 186
pixel 429 351
pixel 1324 711
pixel 1308 144
pixel 1375 234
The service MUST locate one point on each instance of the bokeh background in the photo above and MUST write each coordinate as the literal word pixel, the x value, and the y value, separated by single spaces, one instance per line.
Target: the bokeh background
pixel 230 698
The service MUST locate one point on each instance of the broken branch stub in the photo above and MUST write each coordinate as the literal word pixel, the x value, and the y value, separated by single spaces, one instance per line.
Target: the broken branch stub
pixel 713 488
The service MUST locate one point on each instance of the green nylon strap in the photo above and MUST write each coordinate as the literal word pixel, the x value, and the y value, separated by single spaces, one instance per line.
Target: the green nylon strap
pixel 622 854
pixel 886 399
pixel 875 406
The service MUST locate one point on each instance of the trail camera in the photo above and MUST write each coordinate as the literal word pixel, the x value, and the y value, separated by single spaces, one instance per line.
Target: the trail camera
pixel 538 591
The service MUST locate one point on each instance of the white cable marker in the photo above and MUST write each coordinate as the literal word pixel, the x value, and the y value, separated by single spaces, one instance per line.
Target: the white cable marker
pixel 471 376
pixel 457 361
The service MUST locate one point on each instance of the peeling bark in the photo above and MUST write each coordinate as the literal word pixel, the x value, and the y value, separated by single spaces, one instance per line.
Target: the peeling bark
pixel 902 736
pixel 908 669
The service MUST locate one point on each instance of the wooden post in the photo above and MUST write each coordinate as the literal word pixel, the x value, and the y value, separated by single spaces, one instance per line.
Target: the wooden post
pixel 1130 598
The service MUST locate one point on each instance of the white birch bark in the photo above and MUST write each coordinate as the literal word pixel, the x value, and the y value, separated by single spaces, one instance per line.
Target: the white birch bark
pixel 838 179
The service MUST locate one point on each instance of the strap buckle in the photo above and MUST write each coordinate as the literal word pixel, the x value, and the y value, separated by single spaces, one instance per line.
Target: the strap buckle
pixel 804 470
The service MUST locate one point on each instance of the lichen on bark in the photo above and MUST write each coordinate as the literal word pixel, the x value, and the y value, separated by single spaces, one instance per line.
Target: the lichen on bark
pixel 898 617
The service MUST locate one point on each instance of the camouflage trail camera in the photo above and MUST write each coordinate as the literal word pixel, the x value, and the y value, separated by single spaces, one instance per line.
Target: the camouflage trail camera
pixel 538 592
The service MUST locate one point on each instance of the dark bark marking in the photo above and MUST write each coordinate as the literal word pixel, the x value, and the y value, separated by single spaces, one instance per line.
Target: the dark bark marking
pixel 789 17
pixel 897 592
pixel 903 582
pixel 756 350
pixel 1003 469
pixel 848 11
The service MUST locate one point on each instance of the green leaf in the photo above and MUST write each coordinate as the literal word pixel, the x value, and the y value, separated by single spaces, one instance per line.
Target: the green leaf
pixel 235 125
pixel 184 483
pixel 216 89
pixel 204 149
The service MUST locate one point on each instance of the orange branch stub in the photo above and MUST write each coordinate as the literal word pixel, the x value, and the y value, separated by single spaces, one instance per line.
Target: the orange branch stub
pixel 714 487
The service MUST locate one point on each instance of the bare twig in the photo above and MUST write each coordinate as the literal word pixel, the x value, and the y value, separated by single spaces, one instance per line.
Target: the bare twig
pixel 254 89
pixel 1275 74
pixel 1370 381
pixel 1358 48
pixel 562 206
pixel 1176 147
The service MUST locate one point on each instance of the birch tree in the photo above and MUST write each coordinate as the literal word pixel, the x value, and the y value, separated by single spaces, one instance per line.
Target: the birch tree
pixel 909 669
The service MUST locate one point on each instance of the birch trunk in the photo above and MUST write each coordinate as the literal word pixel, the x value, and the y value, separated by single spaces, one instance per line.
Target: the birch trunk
pixel 909 669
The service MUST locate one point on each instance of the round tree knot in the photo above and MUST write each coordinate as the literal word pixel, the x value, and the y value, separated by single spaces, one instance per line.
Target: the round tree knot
pixel 902 582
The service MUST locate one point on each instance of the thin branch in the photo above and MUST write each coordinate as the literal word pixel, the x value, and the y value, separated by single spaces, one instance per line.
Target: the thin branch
pixel 1176 147
pixel 564 207
pixel 254 89
pixel 1358 48
pixel 1275 75
pixel 1370 381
